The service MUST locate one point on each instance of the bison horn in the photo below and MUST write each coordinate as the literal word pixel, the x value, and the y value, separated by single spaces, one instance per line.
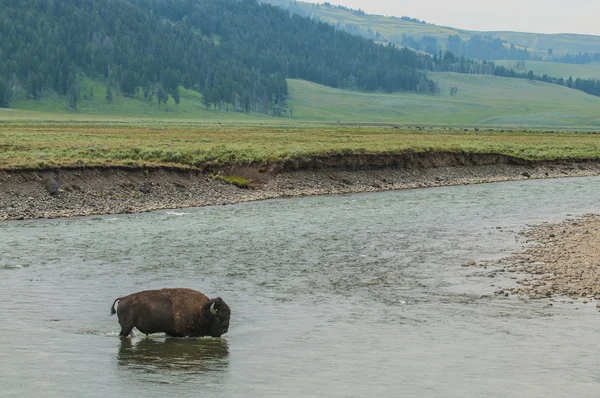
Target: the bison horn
pixel 213 310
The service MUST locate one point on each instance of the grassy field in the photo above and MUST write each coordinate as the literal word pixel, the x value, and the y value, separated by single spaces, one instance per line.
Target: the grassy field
pixel 554 69
pixel 481 101
pixel 34 144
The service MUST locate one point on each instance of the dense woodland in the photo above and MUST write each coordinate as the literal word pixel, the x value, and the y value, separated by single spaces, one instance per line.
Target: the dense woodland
pixel 236 52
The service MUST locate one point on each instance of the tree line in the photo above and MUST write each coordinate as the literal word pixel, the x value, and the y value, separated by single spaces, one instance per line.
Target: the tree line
pixel 580 58
pixel 589 86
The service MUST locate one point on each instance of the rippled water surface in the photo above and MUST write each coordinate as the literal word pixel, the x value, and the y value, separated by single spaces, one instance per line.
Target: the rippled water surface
pixel 337 296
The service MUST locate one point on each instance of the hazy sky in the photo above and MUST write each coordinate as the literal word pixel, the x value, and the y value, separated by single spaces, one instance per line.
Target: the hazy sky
pixel 541 16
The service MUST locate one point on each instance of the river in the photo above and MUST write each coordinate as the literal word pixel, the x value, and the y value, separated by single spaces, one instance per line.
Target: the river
pixel 338 296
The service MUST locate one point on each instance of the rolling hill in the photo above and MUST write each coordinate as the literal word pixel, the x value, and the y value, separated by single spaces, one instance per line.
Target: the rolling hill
pixel 480 101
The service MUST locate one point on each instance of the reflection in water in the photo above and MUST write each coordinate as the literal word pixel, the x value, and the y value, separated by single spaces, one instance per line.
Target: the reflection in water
pixel 192 356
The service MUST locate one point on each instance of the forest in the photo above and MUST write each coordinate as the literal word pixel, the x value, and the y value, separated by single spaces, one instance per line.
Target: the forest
pixel 236 52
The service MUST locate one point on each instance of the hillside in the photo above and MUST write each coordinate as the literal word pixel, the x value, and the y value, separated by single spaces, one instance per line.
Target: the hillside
pixel 390 28
pixel 233 52
pixel 481 100
pixel 393 29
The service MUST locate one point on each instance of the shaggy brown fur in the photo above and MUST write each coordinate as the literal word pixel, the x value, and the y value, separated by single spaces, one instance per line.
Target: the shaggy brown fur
pixel 177 312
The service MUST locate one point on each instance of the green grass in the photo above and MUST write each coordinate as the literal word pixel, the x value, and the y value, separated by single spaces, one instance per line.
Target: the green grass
pixel 47 144
pixel 238 181
pixel 554 69
pixel 481 101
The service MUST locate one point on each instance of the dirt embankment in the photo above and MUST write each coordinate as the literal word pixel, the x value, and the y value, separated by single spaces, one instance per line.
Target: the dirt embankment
pixel 26 194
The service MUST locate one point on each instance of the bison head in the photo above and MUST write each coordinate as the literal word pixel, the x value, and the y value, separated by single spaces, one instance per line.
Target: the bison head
pixel 216 315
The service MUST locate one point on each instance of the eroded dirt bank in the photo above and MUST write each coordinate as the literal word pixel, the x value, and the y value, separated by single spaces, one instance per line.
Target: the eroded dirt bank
pixel 29 194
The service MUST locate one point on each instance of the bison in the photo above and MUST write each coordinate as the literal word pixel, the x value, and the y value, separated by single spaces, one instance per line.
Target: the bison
pixel 176 312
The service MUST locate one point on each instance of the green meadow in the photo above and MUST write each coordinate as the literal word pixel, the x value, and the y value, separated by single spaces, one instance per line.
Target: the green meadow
pixel 480 101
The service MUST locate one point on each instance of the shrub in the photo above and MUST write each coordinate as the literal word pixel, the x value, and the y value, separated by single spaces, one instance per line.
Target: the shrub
pixel 239 182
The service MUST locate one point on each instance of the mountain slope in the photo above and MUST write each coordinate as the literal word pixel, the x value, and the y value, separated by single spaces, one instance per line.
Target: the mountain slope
pixel 560 43
pixel 392 29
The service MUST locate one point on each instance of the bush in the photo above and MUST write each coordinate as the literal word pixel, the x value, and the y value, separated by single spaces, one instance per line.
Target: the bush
pixel 239 182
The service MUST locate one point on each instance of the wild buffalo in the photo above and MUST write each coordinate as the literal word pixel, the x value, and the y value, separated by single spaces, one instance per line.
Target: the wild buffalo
pixel 176 312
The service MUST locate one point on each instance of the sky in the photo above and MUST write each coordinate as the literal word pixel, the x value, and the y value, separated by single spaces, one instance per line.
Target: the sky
pixel 539 16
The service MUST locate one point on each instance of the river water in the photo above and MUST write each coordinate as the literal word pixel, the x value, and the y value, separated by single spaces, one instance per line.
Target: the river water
pixel 339 296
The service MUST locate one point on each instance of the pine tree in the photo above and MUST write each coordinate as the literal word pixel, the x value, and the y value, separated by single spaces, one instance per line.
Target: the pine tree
pixel 176 96
pixel 162 96
pixel 4 94
pixel 108 97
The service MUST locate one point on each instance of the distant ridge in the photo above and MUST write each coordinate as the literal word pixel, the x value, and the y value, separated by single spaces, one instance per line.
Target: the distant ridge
pixel 392 29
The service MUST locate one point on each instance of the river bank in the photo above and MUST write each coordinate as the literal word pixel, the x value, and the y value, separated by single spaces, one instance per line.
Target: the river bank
pixel 558 259
pixel 67 192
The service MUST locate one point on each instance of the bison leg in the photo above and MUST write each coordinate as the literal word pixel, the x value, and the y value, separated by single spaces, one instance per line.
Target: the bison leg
pixel 125 330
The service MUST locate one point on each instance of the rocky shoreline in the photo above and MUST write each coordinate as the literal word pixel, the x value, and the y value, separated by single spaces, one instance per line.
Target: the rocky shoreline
pixel 559 260
pixel 28 194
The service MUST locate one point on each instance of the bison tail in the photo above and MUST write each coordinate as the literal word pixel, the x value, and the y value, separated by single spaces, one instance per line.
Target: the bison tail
pixel 112 309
